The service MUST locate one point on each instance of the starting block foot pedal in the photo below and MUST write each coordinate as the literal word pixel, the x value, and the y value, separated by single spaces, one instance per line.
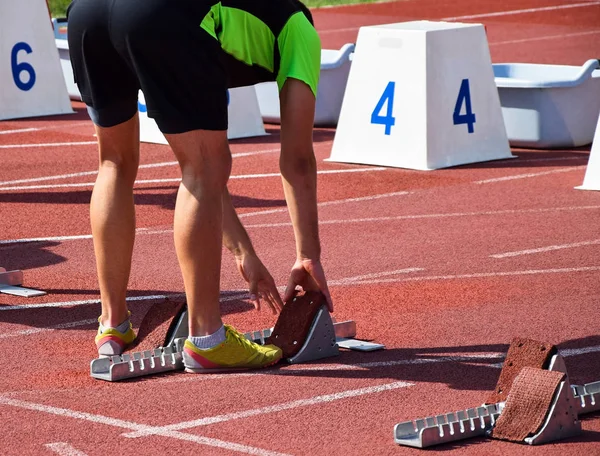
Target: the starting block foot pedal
pixel 539 409
pixel 304 330
pixel 11 281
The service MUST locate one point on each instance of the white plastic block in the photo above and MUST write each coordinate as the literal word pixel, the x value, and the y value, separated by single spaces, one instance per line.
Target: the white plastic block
pixel 335 67
pixel 549 106
pixel 591 181
pixel 421 95
pixel 244 117
pixel 31 78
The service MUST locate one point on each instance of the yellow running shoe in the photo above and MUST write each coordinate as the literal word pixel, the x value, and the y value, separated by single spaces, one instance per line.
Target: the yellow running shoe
pixel 111 341
pixel 235 353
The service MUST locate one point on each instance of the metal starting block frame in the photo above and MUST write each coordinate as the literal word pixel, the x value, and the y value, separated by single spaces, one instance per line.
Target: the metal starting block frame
pixel 561 422
pixel 321 342
pixel 10 282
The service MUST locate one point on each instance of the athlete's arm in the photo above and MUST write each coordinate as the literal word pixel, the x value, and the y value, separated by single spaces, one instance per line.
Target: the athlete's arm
pixel 236 239
pixel 299 175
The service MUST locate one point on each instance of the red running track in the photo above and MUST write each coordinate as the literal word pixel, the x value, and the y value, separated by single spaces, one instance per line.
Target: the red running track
pixel 443 267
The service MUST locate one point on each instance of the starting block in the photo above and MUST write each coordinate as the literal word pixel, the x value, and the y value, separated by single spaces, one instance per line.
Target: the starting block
pixel 245 119
pixel 541 406
pixel 591 180
pixel 32 80
pixel 11 281
pixel 421 95
pixel 316 337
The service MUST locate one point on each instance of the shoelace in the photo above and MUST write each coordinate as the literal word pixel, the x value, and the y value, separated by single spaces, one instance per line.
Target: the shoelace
pixel 239 338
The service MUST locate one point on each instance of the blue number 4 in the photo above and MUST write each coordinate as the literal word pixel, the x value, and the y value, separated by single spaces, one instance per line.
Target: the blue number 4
pixel 388 120
pixel 464 97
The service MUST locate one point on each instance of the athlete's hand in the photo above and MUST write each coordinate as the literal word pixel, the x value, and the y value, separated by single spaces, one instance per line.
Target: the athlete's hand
pixel 308 275
pixel 261 283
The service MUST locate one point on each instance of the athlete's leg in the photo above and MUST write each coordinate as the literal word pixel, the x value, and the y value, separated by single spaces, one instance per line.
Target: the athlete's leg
pixel 205 162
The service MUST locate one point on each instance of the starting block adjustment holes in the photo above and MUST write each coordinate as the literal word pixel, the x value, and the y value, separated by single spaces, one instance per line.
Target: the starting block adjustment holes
pixel 387 119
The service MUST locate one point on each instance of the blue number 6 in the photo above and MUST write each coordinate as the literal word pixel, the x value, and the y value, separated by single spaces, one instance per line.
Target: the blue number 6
pixel 18 68
pixel 388 120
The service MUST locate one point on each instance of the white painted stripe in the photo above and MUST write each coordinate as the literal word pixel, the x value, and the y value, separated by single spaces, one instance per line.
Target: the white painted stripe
pixel 549 37
pixel 178 179
pixel 227 296
pixel 477 275
pixel 279 407
pixel 482 15
pixel 64 449
pixel 328 222
pixel 545 249
pixel 579 351
pixel 145 166
pixel 28 332
pixel 374 276
pixel 526 176
pixel 522 11
pixel 100 419
pixel 22 130
pixel 62 144
pixel 330 203
pixel 427 216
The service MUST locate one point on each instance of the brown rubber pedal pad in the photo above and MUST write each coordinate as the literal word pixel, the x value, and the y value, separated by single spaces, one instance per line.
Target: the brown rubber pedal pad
pixel 159 324
pixel 528 404
pixel 294 322
pixel 521 353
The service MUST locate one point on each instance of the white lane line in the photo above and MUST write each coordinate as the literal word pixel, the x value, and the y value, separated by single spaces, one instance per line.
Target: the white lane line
pixel 145 166
pixel 545 249
pixel 484 15
pixel 374 276
pixel 543 38
pixel 232 295
pixel 49 127
pixel 528 175
pixel 64 449
pixel 426 216
pixel 330 203
pixel 28 332
pixel 114 422
pixel 178 179
pixel 61 144
pixel 278 407
pixel 327 222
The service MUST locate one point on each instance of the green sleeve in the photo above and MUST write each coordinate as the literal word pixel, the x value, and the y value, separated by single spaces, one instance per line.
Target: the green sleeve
pixel 300 51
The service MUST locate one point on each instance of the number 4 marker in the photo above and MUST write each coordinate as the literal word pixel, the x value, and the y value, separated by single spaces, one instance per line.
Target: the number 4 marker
pixel 464 97
pixel 388 120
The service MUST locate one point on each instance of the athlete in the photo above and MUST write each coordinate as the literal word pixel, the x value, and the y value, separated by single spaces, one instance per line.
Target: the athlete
pixel 184 55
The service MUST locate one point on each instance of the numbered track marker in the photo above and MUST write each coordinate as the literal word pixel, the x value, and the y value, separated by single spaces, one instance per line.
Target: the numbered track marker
pixel 421 95
pixel 30 72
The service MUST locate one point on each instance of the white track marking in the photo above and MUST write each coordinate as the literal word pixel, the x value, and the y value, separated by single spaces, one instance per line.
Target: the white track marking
pixel 483 15
pixel 62 144
pixel 145 166
pixel 100 419
pixel 426 216
pixel 49 127
pixel 64 449
pixel 374 276
pixel 28 332
pixel 278 407
pixel 543 38
pixel 225 297
pixel 178 179
pixel 545 249
pixel 328 222
pixel 528 175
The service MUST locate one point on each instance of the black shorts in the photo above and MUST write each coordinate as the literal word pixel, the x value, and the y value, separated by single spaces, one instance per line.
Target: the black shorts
pixel 118 47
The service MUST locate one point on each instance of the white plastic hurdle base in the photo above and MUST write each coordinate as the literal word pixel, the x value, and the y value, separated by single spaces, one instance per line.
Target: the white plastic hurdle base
pixel 244 117
pixel 30 72
pixel 591 181
pixel 421 95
